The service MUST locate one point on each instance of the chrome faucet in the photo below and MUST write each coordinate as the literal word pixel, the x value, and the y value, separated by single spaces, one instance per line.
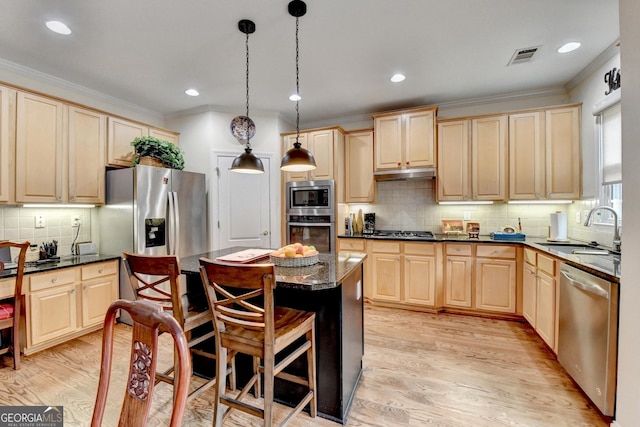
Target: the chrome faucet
pixel 617 242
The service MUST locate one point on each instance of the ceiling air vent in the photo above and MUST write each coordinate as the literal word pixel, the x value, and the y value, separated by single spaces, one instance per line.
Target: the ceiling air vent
pixel 521 56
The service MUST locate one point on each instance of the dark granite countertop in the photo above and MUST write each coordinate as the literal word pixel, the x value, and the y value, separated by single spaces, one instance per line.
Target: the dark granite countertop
pixel 63 262
pixel 329 272
pixel 608 267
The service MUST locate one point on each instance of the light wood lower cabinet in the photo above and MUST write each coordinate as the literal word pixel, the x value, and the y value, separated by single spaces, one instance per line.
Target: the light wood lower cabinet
pixel 539 285
pixel 68 302
pixel 406 273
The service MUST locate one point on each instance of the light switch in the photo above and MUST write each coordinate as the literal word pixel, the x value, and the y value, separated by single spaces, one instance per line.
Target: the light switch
pixel 578 217
pixel 466 215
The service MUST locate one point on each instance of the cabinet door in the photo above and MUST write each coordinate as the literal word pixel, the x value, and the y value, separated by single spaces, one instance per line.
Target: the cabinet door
pixel 457 286
pixel 489 158
pixel 529 294
pixel 87 144
pixel 321 146
pixel 52 313
pixel 526 156
pixel 388 142
pixel 97 295
pixel 420 280
pixel 6 162
pixel 165 135
pixel 496 285
pixel 546 308
pixel 121 134
pixel 39 149
pixel 287 144
pixel 386 277
pixel 419 144
pixel 453 160
pixel 562 145
pixel 360 187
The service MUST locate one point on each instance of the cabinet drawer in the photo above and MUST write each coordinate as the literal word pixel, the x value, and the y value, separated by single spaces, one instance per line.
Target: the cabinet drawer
pixel 547 264
pixel 458 249
pixel 420 248
pixel 63 276
pixel 99 269
pixel 530 256
pixel 351 244
pixel 7 287
pixel 496 251
pixel 387 247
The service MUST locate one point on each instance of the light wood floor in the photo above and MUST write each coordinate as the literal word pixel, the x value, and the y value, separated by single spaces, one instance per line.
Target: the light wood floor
pixel 419 369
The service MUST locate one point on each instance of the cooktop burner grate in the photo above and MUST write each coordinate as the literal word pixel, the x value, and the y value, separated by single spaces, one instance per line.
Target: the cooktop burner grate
pixel 401 234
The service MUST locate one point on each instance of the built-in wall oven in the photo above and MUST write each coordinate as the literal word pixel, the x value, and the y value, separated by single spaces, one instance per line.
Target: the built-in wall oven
pixel 310 210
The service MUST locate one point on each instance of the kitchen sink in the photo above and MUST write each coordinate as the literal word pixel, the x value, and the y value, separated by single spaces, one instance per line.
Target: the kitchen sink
pixel 569 248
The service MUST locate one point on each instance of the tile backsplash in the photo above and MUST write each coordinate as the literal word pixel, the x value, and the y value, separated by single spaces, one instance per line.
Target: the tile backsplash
pixel 411 205
pixel 19 224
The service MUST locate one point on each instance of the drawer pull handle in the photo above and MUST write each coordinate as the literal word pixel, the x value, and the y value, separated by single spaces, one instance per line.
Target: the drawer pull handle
pixel 54 280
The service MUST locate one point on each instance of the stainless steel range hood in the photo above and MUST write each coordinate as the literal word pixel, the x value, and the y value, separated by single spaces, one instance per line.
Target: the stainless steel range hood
pixel 404 174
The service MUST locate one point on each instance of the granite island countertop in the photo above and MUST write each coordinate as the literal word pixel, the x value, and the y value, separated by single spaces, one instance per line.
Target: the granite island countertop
pixel 328 273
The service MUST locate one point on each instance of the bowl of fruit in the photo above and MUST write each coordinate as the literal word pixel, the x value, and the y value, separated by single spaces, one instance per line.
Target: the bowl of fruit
pixel 294 255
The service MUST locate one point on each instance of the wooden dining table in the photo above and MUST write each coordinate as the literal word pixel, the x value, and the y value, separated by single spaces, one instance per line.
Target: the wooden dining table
pixel 333 289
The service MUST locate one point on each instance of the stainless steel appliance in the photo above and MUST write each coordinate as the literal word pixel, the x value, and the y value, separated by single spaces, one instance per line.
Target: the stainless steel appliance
pixel 403 235
pixel 311 214
pixel 154 211
pixel 588 334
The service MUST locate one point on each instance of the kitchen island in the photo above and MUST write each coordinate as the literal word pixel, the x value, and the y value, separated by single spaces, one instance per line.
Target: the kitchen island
pixel 332 289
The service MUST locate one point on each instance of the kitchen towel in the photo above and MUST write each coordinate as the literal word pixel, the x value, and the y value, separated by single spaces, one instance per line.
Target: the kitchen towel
pixel 558 226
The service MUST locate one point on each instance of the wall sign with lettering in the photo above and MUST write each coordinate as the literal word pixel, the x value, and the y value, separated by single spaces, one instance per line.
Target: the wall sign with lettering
pixel 612 78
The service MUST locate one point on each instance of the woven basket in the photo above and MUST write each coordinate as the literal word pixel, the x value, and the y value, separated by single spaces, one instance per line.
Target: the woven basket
pixel 152 161
pixel 294 262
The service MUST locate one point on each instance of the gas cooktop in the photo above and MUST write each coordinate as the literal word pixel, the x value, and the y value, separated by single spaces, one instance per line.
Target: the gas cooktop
pixel 400 234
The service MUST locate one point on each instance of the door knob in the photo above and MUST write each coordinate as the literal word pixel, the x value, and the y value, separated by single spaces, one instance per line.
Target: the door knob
pixel 265 233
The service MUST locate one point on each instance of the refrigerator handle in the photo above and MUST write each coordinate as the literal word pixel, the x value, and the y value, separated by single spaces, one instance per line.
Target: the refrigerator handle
pixel 172 226
pixel 176 224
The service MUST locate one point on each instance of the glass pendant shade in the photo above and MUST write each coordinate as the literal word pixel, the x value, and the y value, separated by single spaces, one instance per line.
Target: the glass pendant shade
pixel 298 159
pixel 247 162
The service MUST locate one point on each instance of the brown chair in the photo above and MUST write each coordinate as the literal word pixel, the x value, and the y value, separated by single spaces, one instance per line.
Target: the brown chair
pixel 11 307
pixel 156 278
pixel 259 331
pixel 148 321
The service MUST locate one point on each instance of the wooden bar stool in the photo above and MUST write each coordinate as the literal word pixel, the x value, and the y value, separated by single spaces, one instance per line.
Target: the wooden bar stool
pixel 260 331
pixel 156 278
pixel 148 321
pixel 11 307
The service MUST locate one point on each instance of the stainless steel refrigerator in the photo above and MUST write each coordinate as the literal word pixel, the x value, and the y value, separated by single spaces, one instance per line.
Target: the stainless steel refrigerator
pixel 155 211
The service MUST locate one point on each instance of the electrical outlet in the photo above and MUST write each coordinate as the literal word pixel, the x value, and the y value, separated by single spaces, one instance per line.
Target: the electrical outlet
pixel 75 222
pixel 40 222
pixel 578 217
pixel 466 215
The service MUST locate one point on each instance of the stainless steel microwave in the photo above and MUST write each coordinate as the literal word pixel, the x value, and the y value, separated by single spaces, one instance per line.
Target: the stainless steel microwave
pixel 311 197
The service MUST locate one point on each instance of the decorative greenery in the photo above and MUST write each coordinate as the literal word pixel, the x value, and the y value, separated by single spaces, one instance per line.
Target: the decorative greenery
pixel 165 151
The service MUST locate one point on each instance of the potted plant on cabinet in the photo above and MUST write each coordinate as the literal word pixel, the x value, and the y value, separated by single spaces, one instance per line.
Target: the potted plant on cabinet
pixel 152 151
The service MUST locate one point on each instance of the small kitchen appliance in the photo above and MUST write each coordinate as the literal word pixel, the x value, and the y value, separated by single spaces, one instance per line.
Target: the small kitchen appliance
pixel 557 227
pixel 369 223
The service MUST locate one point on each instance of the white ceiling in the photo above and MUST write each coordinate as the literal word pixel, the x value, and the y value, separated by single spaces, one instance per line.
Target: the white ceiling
pixel 148 52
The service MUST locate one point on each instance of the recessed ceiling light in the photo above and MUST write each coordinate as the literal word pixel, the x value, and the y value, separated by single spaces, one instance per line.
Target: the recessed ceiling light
pixel 396 78
pixel 58 27
pixel 192 92
pixel 295 97
pixel 568 47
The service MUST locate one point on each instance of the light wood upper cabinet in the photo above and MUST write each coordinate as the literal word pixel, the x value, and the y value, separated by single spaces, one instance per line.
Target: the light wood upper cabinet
pixel 562 145
pixel 165 135
pixel 405 140
pixel 40 149
pixel 7 146
pixel 359 184
pixel 287 144
pixel 322 148
pixel 87 146
pixel 544 157
pixel 120 134
pixel 472 159
pixel 327 147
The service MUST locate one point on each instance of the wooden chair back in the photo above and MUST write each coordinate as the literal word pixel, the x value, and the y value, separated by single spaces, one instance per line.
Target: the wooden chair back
pixel 11 307
pixel 148 319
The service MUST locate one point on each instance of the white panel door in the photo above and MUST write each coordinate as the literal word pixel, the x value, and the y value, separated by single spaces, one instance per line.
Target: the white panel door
pixel 242 205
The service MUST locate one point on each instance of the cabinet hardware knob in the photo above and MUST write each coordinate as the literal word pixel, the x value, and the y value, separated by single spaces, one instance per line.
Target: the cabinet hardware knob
pixel 399 163
pixel 537 195
pixel 475 196
pixel 101 271
pixel 59 197
pixel 85 287
pixel 72 197
pixel 549 194
pixel 73 291
pixel 408 163
pixel 54 280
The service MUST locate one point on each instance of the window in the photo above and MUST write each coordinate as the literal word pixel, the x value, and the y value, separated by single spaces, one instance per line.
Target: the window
pixel 609 125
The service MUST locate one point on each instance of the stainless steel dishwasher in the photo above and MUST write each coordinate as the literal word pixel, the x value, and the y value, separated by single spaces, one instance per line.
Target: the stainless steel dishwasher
pixel 588 334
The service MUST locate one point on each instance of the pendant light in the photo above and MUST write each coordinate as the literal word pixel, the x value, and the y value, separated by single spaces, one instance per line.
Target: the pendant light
pixel 242 127
pixel 297 159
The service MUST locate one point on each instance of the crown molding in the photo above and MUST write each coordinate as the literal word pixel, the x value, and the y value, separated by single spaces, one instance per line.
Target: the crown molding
pixel 606 55
pixel 206 108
